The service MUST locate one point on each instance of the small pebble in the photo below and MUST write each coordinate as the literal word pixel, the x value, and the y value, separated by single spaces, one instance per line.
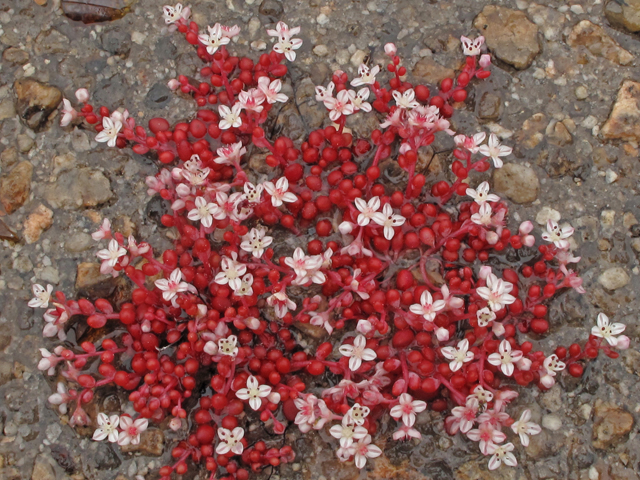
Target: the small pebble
pixel 321 50
pixel 551 422
pixel 322 19
pixel 577 9
pixel 581 92
pixel 611 176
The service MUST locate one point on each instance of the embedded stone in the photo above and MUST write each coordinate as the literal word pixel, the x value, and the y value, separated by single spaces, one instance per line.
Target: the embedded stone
pixel 40 220
pixel 614 278
pixel 509 35
pixel 428 71
pixel 42 469
pixel 488 106
pixel 93 284
pixel 36 102
pixel 596 40
pixel 624 14
pixel 151 443
pixel 15 187
pixel 519 183
pixel 15 55
pixel 611 425
pixel 624 121
pixel 80 187
pixel 559 135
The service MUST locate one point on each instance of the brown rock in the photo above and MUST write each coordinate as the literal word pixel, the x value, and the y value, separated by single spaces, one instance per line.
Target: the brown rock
pixel 428 71
pixel 36 223
pixel 531 133
pixel 15 55
pixel 477 470
pixel 43 470
pixel 7 110
pixel 91 283
pixel 518 182
pixel 8 158
pixel 488 106
pixel 15 187
pixel 151 443
pixel 596 40
pixel 6 233
pixel 81 187
pixel 611 424
pixel 559 135
pixel 624 121
pixel 624 14
pixel 36 102
pixel 509 34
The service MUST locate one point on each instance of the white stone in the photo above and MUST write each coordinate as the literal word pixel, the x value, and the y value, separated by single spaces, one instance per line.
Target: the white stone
pixel 138 37
pixel 614 278
pixel 547 213
pixel 552 422
pixel 321 50
pixel 322 19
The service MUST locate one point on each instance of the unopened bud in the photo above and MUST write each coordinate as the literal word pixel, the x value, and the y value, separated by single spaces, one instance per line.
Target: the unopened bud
pixel 173 84
pixel 485 60
pixel 175 424
pixel 211 348
pixel 485 270
pixel 82 94
pixel 525 228
pixel 623 342
pixel 345 228
pixel 390 49
pixel 442 334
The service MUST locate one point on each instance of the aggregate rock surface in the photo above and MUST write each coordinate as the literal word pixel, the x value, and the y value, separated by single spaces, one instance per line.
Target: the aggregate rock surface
pixel 624 121
pixel 596 40
pixel 566 111
pixel 509 34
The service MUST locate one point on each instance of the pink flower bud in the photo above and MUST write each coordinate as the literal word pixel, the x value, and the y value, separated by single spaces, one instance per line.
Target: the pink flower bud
pixel 404 148
pixel 492 238
pixel 146 326
pixel 364 326
pixel 390 49
pixel 211 348
pixel 529 241
pixel 524 364
pixel 82 94
pixel 175 424
pixel 252 323
pixel 442 334
pixel 485 60
pixel 485 270
pixel 498 329
pixel 345 228
pixel 274 397
pixel 623 342
pixel 173 84
pixel 547 381
pixel 525 228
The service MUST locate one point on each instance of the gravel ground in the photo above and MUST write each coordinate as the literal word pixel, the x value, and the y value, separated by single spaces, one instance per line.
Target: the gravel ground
pixel 563 93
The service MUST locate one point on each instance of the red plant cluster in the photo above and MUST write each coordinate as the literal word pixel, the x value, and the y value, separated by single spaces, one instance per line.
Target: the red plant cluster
pixel 326 244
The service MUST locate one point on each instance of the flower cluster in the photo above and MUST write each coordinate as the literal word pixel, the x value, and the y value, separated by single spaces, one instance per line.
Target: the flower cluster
pixel 393 277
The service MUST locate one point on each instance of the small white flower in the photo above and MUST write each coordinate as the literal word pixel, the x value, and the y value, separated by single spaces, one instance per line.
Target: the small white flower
pixel 281 303
pixel 341 105
pixel 229 117
pixel 230 441
pixel 482 195
pixel 205 212
pixel 406 433
pixel 245 286
pixel 254 392
pixel 174 285
pixel 359 100
pixel 108 428
pixel 557 235
pixel 494 150
pixel 483 396
pixel 357 352
pixel 365 449
pixel 173 14
pixel 214 40
pixel 407 409
pixel 253 193
pixel 358 413
pixel 505 358
pixel 496 293
pixel 228 346
pixel 367 210
pixel 458 356
pixel 500 454
pixel 112 254
pixel 485 316
pixel 405 100
pixel 286 44
pixel 323 93
pixel 606 330
pixel 367 76
pixel 109 131
pixel 483 217
pixel 256 241
pixel 41 297
pixel 131 430
pixel 252 100
pixel 103 232
pixel 463 417
pixel 470 47
pixel 231 272
pixel 279 192
pixel 231 154
pixel 69 113
pixel 347 432
pixel 524 428
pixel 60 398
pixel 388 220
pixel 271 90
pixel 427 307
